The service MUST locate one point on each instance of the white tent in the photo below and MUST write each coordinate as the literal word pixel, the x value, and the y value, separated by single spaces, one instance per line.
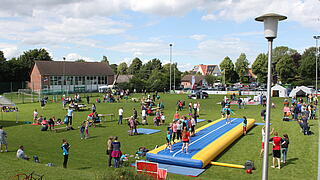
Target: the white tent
pixel 279 91
pixel 301 91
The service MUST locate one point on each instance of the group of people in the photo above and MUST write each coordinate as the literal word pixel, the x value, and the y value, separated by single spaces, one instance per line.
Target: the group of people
pixel 280 147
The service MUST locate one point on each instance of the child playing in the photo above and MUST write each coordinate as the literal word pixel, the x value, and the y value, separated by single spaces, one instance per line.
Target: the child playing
pixel 87 129
pixel 82 129
pixel 163 118
pixel 244 125
pixel 168 138
pixel 185 139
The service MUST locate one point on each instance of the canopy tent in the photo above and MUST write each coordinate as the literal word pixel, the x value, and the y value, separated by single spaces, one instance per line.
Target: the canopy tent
pixel 279 91
pixel 4 102
pixel 301 91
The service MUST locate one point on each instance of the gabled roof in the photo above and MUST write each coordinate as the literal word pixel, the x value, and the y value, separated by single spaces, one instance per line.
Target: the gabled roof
pixel 208 69
pixel 188 78
pixel 123 78
pixel 70 68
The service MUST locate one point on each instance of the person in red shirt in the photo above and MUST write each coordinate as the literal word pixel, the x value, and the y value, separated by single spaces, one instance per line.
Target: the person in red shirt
pixel 185 139
pixel 276 153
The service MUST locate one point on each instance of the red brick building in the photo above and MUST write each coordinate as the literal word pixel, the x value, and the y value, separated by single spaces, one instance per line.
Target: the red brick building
pixel 70 76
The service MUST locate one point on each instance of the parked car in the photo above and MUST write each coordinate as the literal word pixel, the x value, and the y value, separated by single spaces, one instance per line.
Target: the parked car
pixel 198 95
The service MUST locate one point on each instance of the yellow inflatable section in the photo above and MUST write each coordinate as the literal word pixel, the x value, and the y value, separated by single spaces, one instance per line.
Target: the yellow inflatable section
pixel 207 154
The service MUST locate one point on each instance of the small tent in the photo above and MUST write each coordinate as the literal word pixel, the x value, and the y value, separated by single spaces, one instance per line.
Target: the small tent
pixel 4 102
pixel 301 91
pixel 279 91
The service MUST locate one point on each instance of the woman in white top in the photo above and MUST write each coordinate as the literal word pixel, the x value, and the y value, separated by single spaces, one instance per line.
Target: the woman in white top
pixel 263 133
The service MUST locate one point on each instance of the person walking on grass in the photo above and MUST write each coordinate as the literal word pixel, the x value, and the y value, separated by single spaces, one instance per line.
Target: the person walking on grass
pixel 284 148
pixel 82 129
pixel 116 152
pixel 244 125
pixel 65 151
pixel 276 154
pixel 185 139
pixel 109 150
pixel 86 127
pixel 3 140
pixel 70 115
pixel 120 115
pixel 263 133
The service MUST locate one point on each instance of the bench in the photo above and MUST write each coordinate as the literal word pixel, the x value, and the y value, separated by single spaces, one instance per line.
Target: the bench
pixel 103 116
pixel 63 129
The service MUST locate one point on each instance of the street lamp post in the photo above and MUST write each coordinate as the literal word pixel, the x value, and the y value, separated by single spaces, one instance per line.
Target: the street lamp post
pixel 270 32
pixel 317 54
pixel 170 65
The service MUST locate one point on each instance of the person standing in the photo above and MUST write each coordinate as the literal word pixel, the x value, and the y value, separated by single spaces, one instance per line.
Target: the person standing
pixel 284 147
pixel 70 115
pixel 3 140
pixel 65 151
pixel 35 116
pixel 276 154
pixel 185 139
pixel 263 133
pixel 109 150
pixel 244 125
pixel 144 117
pixel 116 152
pixel 179 129
pixel 135 114
pixel 88 100
pixel 120 115
pixel 94 108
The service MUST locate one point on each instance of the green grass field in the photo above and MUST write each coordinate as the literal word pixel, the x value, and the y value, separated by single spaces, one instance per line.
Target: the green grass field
pixel 88 159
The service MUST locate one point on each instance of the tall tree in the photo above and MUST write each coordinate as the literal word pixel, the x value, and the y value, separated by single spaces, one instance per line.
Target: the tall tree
pixel 227 67
pixel 135 66
pixel 2 58
pixel 123 68
pixel 80 60
pixel 27 59
pixel 105 59
pixel 114 68
pixel 148 67
pixel 242 67
pixel 280 51
pixel 308 64
pixel 260 67
pixel 286 69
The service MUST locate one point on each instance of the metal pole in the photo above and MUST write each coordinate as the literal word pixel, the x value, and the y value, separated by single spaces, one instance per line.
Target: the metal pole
pixel 317 37
pixel 170 66
pixel 267 127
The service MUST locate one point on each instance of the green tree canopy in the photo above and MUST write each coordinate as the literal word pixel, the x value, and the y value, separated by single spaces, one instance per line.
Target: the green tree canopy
pixel 105 59
pixel 123 68
pixel 135 66
pixel 260 67
pixel 242 67
pixel 286 69
pixel 227 67
pixel 308 64
pixel 2 58
pixel 114 68
pixel 80 60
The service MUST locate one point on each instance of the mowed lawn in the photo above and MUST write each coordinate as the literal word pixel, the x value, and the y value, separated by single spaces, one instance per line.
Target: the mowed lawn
pixel 88 159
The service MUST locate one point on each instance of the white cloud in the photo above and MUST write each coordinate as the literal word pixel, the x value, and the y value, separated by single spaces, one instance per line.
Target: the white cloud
pixel 9 50
pixel 305 12
pixel 75 56
pixel 198 37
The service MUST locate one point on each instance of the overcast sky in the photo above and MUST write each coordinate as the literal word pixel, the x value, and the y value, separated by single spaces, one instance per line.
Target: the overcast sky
pixel 201 31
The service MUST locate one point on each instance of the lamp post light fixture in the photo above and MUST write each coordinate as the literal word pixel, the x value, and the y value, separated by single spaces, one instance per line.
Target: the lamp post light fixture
pixel 270 21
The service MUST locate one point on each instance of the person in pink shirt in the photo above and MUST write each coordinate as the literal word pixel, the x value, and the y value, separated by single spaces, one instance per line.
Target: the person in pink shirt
pixel 174 131
pixel 176 116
